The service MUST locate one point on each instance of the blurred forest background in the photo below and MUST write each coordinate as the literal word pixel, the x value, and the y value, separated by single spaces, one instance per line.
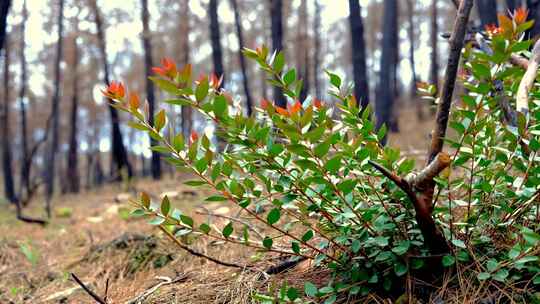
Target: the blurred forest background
pixel 60 135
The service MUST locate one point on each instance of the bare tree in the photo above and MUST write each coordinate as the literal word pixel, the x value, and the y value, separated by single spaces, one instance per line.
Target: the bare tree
pixel 276 13
pixel 361 88
pixel 302 50
pixel 245 77
pixel 72 172
pixel 119 153
pixel 534 14
pixel 4 11
pixel 511 5
pixel 7 168
pixel 147 46
pixel 25 157
pixel 386 89
pixel 55 103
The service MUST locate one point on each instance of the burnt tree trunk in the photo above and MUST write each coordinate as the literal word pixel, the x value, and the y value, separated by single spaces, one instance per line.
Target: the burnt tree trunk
pixel 119 153
pixel 72 170
pixel 55 103
pixel 187 112
pixel 7 168
pixel 487 11
pixel 245 77
pixel 147 46
pixel 361 88
pixel 215 37
pixel 24 187
pixel 276 13
pixel 386 88
pixel 434 66
pixel 317 48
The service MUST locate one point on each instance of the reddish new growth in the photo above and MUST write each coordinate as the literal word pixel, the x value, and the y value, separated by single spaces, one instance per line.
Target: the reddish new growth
pixel 317 103
pixel 492 29
pixel 193 137
pixel 115 90
pixel 168 69
pixel 520 15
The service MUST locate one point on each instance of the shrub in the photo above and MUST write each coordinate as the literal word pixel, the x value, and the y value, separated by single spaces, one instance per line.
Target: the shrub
pixel 321 185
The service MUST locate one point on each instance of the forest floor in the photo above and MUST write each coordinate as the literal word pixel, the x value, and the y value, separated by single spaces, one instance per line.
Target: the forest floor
pixel 92 236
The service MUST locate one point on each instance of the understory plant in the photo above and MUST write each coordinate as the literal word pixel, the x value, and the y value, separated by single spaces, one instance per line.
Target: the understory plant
pixel 313 181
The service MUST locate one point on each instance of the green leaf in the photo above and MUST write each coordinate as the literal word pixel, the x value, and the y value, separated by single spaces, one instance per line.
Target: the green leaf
pixel 220 105
pixel 165 85
pixel 216 198
pixel 202 89
pixel 186 220
pixel 165 206
pixel 267 242
pixel 295 247
pixel 334 79
pixel 530 236
pixel 448 260
pixel 322 149
pixel 273 216
pixel 292 294
pixel 227 230
pixel 156 221
pixel 137 126
pixel 279 62
pixel 501 275
pixel 402 248
pixel 289 77
pixel 459 243
pixel 205 228
pixel 381 241
pixel 178 142
pixel 482 276
pixel 307 236
pixel 310 289
pixel 333 164
pixel 195 183
pixel 159 120
pixel 400 269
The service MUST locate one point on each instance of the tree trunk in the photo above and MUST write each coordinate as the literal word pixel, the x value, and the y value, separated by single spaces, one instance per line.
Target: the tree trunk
pixel 487 11
pixel 72 178
pixel 4 11
pixel 414 79
pixel 302 50
pixel 434 66
pixel 187 112
pixel 7 169
pixel 386 89
pixel 276 13
pixel 245 77
pixel 55 102
pixel 534 14
pixel 119 153
pixel 317 48
pixel 361 88
pixel 147 46
pixel 511 5
pixel 24 187
pixel 215 37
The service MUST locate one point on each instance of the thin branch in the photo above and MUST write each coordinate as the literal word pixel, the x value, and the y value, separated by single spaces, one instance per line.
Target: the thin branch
pixel 88 290
pixel 202 255
pixel 164 281
pixel 445 101
pixel 231 218
pixel 441 162
pixel 522 96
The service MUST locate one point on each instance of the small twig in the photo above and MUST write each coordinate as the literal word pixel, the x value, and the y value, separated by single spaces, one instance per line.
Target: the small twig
pixel 164 281
pixel 106 290
pixel 441 162
pixel 234 219
pixel 88 290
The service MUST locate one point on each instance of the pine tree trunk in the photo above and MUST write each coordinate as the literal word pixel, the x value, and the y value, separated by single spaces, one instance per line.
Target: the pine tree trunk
pixel 147 46
pixel 434 65
pixel 386 89
pixel 187 112
pixel 361 88
pixel 119 153
pixel 50 168
pixel 72 178
pixel 7 168
pixel 215 37
pixel 317 48
pixel 302 50
pixel 414 79
pixel 4 11
pixel 24 187
pixel 245 77
pixel 487 11
pixel 511 5
pixel 276 13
